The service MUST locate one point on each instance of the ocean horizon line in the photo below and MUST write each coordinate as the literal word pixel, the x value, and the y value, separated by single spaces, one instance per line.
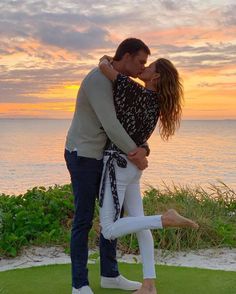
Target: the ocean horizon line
pixel 51 118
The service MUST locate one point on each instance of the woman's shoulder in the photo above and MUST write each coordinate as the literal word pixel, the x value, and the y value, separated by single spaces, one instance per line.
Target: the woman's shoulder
pixel 126 81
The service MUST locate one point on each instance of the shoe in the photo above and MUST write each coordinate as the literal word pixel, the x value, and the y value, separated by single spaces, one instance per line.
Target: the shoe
pixel 119 282
pixel 82 290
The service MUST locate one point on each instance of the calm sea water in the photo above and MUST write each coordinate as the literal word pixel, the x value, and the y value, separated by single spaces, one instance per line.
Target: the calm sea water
pixel 202 152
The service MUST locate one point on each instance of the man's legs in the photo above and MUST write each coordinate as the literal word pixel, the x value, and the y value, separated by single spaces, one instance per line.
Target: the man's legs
pixel 108 262
pixel 85 177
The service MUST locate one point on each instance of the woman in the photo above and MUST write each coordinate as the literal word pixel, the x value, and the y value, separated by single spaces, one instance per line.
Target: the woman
pixel 138 109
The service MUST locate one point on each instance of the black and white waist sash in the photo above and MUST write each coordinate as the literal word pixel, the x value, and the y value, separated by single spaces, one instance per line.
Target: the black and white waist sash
pixel 113 155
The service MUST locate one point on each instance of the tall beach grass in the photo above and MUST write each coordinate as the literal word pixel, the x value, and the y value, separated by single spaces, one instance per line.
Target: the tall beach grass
pixel 43 216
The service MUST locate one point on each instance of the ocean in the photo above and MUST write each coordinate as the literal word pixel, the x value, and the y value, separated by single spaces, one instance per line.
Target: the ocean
pixel 200 153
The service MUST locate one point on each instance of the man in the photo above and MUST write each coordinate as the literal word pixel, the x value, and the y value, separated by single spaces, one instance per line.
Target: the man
pixel 94 120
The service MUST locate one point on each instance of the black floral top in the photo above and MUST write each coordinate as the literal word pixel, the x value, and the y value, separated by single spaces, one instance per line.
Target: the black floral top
pixel 137 109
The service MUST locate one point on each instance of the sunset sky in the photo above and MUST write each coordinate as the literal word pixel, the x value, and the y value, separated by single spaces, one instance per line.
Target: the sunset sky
pixel 48 46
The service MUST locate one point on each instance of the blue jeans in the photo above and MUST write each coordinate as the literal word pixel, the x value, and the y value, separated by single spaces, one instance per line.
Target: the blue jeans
pixel 85 178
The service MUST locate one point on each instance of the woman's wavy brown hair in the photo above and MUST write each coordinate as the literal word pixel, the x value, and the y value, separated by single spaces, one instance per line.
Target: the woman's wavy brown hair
pixel 171 90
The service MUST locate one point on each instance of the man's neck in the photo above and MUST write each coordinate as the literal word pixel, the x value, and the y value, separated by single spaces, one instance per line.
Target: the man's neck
pixel 119 66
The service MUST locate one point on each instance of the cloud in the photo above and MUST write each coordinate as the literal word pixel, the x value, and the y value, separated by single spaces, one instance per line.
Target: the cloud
pixel 170 4
pixel 217 85
pixel 47 44
pixel 229 15
pixel 196 57
pixel 59 36
pixel 229 74
pixel 89 25
pixel 19 86
pixel 65 31
pixel 35 100
pixel 221 48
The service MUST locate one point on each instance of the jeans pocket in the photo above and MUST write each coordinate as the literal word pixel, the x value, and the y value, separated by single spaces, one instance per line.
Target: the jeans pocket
pixel 72 160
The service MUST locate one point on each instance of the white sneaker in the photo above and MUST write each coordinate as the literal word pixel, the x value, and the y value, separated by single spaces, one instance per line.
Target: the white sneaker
pixel 82 290
pixel 119 282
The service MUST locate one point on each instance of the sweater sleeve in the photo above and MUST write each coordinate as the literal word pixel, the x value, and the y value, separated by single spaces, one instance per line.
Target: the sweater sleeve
pixel 98 90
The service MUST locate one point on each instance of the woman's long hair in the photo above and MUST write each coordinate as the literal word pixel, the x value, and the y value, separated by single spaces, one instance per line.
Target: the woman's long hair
pixel 171 90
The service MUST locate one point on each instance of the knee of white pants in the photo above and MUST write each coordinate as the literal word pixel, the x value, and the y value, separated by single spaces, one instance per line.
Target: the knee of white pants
pixel 106 231
pixel 145 234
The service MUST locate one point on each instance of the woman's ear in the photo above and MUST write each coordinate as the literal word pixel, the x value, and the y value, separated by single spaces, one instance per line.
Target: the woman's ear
pixel 156 76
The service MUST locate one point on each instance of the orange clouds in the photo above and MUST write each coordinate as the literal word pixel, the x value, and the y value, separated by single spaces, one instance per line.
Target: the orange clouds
pixel 48 110
pixel 210 94
pixel 46 55
pixel 58 92
pixel 59 102
pixel 188 35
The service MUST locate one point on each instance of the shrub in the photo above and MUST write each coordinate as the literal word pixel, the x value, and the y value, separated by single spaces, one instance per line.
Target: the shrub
pixel 43 217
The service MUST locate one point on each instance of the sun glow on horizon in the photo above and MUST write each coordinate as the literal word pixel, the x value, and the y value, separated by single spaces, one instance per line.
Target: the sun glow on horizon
pixel 46 55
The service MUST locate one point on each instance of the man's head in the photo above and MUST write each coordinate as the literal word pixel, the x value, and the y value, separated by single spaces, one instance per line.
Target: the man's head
pixel 131 57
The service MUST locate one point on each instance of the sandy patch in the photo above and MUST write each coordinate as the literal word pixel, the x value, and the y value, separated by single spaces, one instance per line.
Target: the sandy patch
pixel 217 259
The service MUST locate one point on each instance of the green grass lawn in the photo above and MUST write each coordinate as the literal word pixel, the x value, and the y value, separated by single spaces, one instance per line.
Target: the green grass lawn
pixel 171 280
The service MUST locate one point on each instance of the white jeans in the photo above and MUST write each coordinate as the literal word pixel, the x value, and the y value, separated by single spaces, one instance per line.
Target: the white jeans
pixel 128 188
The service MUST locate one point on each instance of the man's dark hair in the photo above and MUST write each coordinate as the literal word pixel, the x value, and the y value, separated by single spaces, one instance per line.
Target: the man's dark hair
pixel 131 46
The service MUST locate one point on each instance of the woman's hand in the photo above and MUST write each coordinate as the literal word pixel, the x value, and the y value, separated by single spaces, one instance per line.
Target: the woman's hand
pixel 106 57
pixel 106 67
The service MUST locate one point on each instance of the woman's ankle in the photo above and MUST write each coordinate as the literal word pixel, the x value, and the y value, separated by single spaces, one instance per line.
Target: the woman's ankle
pixel 149 284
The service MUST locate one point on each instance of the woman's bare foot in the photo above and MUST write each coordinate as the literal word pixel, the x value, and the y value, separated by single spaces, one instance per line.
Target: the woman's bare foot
pixel 146 290
pixel 148 287
pixel 171 218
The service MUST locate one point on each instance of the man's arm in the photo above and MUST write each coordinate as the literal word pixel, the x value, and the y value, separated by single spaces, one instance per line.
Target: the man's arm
pixel 138 156
pixel 107 69
pixel 98 90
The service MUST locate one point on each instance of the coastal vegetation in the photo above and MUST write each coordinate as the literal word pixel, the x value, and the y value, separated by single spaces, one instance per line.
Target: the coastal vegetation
pixel 42 216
